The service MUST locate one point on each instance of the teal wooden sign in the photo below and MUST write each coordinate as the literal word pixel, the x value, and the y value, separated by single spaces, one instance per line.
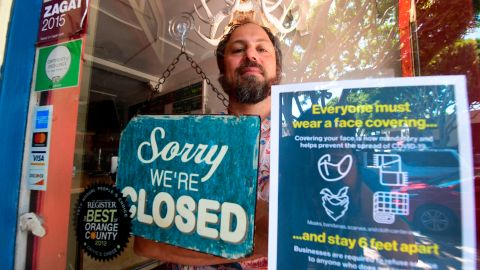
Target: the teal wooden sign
pixel 191 180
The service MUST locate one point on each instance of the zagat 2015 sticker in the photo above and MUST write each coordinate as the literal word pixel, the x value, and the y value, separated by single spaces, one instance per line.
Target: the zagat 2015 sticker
pixel 103 222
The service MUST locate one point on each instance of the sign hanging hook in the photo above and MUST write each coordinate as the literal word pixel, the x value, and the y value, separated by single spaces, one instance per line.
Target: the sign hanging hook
pixel 179 28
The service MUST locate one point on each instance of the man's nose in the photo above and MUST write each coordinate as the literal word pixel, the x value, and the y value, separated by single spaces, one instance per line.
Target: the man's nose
pixel 252 55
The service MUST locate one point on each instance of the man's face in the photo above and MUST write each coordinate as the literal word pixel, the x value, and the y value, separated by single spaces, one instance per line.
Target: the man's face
pixel 250 64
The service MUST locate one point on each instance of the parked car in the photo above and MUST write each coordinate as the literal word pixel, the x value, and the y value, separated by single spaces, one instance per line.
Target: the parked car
pixel 435 207
pixel 431 178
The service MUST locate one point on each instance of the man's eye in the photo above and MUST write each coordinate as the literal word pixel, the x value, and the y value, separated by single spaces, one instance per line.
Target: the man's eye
pixel 238 50
pixel 262 50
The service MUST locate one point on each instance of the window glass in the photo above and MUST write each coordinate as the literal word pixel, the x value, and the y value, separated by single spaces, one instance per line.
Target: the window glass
pixel 434 159
pixel 129 49
pixel 344 40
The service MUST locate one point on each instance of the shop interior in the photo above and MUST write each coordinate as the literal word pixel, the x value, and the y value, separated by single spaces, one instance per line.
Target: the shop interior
pixel 127 52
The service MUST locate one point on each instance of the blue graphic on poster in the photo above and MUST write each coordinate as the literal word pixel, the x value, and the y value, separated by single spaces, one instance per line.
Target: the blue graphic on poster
pixel 372 179
pixel 191 180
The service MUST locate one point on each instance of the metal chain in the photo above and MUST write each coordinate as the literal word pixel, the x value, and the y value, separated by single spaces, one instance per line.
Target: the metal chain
pixel 197 68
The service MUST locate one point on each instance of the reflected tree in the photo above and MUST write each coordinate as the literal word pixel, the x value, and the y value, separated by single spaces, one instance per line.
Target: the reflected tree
pixel 435 104
pixel 341 39
pixel 344 39
pixel 442 50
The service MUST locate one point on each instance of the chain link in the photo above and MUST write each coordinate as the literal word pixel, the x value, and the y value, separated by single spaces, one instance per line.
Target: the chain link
pixel 197 69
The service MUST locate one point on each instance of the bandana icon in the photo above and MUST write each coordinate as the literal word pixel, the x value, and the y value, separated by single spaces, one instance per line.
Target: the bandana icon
pixel 335 205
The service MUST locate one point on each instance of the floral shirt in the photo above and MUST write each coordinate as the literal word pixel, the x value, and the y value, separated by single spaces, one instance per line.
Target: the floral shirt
pixel 263 186
pixel 264 161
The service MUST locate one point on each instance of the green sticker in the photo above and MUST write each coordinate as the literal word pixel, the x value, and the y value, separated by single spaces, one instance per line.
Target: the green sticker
pixel 58 66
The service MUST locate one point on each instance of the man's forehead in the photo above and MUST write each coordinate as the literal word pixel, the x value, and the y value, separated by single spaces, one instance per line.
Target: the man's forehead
pixel 249 32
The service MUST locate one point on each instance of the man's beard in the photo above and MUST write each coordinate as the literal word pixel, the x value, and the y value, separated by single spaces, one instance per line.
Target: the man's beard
pixel 249 89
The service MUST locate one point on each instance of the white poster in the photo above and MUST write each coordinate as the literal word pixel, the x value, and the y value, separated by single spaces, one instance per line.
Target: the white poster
pixel 372 174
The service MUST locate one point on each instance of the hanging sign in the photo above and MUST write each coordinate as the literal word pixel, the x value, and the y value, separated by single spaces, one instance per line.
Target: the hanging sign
pixel 61 20
pixel 372 174
pixel 58 66
pixel 39 148
pixel 191 180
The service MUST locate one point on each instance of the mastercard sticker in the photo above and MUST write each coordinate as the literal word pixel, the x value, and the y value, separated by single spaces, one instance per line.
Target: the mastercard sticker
pixel 39 139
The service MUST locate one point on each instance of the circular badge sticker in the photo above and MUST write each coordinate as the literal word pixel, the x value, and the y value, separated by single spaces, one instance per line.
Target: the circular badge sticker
pixel 103 222
pixel 58 62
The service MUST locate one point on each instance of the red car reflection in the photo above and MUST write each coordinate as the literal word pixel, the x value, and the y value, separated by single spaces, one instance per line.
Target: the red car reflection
pixel 434 208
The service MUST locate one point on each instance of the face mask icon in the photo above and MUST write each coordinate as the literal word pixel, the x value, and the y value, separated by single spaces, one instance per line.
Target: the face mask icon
pixel 330 171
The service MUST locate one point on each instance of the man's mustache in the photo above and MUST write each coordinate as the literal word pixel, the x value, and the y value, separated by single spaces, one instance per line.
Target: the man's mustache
pixel 249 64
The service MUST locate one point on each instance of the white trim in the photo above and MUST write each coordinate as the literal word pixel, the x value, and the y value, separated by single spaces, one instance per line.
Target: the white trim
pixel 21 244
pixel 119 69
pixel 5 12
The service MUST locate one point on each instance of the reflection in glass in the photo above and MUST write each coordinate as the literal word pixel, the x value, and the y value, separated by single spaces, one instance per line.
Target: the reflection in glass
pixel 344 39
